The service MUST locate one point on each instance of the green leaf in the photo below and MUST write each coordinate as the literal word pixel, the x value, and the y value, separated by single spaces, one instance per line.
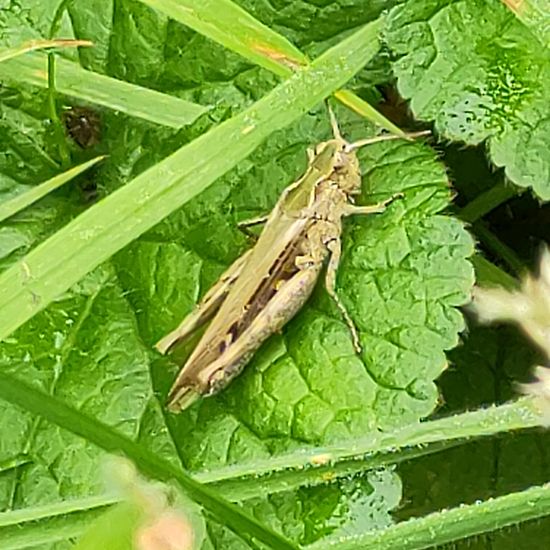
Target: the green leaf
pixel 330 512
pixel 493 86
pixel 261 413
pixel 401 277
pixel 306 395
pixel 90 355
pixel 147 426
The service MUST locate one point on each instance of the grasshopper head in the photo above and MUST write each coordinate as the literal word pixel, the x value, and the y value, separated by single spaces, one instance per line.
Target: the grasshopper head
pixel 335 157
pixel 346 171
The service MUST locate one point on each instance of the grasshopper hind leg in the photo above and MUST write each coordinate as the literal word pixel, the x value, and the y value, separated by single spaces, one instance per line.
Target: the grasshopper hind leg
pixel 335 249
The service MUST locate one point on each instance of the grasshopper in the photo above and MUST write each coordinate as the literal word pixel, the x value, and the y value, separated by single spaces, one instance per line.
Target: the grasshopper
pixel 265 287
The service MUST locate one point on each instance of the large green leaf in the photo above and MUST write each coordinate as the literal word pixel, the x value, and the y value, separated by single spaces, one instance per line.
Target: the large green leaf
pixel 108 226
pixel 402 274
pixel 473 68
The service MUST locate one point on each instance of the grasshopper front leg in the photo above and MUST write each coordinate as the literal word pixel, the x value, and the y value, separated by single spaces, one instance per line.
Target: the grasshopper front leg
pixel 206 308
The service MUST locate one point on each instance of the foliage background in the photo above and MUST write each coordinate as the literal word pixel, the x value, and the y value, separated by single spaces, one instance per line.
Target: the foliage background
pixel 403 275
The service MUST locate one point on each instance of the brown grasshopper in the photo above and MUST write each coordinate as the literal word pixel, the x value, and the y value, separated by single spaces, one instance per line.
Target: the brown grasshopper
pixel 269 283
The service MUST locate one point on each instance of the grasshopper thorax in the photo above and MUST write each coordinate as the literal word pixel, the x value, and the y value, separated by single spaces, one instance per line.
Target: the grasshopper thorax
pixel 345 171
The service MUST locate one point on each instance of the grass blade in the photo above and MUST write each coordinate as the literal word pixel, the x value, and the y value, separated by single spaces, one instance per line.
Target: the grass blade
pixel 14 462
pixel 361 107
pixel 72 80
pixel 54 410
pixel 306 467
pixel 534 14
pixel 228 24
pixel 451 525
pixel 12 206
pixel 374 450
pixel 53 266
pixel 32 45
pixel 45 533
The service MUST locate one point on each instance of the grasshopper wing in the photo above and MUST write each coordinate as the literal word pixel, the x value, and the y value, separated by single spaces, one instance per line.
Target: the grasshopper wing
pixel 206 308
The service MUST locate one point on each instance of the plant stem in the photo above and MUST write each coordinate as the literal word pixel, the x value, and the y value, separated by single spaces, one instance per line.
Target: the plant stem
pixel 12 206
pixel 56 21
pixel 58 131
pixel 474 211
pixel 238 488
pixel 340 459
pixel 497 247
pixel 14 462
pixel 53 509
pixel 489 200
pixel 488 274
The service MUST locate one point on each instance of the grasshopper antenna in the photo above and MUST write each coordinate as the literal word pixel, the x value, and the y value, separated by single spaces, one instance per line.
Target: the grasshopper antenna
pixel 386 137
pixel 334 123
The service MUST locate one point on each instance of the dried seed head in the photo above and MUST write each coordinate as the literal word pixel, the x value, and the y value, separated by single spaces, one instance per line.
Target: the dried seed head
pixel 529 307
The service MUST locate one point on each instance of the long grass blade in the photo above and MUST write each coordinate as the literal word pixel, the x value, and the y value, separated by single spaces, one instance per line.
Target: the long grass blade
pixel 230 25
pixel 452 525
pixel 74 81
pixel 18 203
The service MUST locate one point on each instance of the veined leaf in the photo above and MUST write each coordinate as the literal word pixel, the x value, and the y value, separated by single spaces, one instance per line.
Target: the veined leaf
pixel 495 86
pixel 306 399
pixel 124 215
